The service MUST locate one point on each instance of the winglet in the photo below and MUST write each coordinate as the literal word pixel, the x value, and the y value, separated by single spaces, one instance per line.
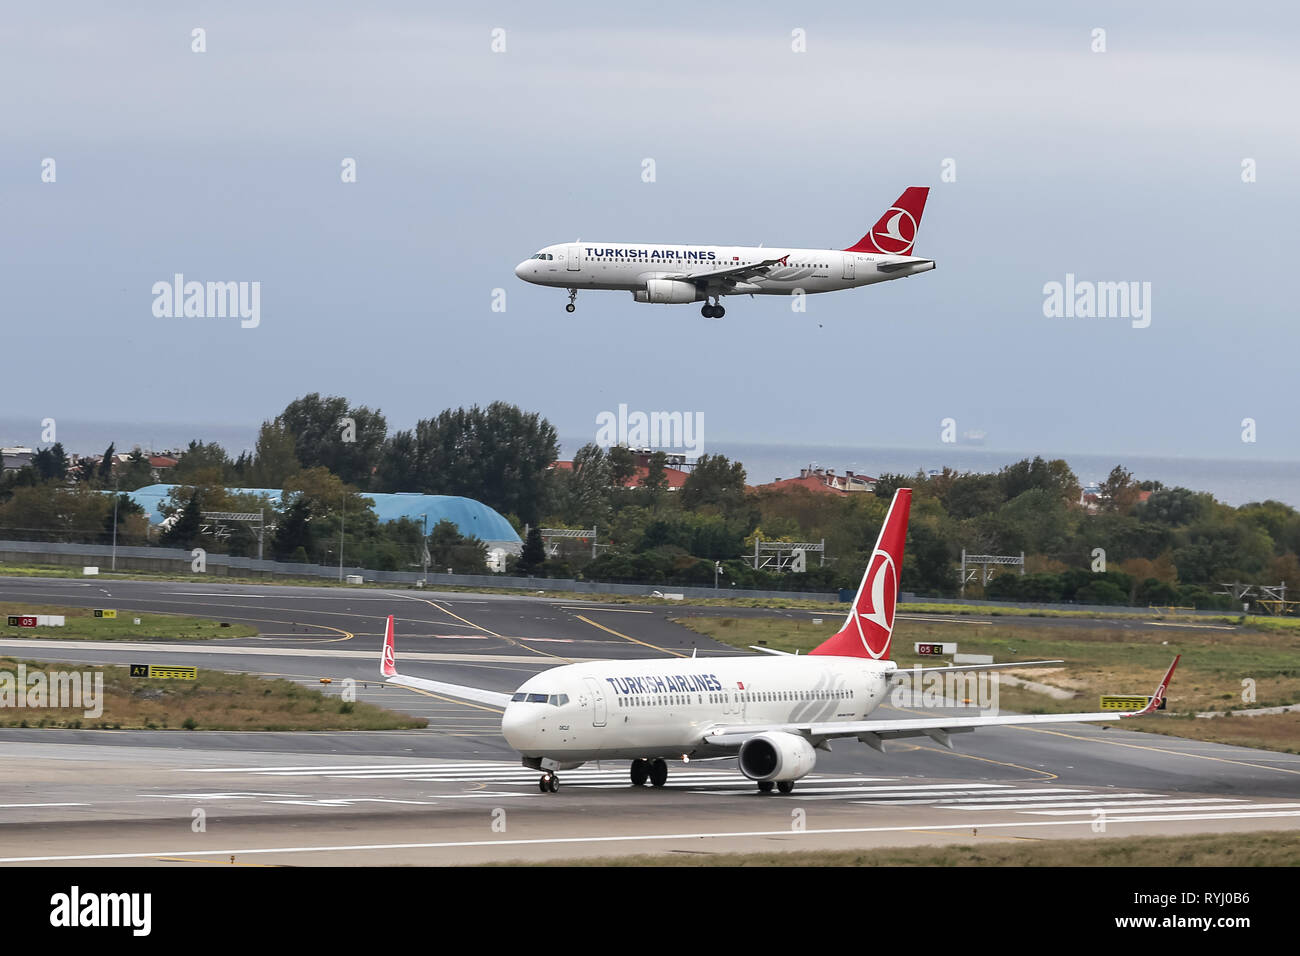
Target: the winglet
pixel 1159 695
pixel 388 662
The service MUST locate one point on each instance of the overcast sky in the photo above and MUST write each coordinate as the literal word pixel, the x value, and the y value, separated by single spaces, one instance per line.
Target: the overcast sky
pixel 1123 165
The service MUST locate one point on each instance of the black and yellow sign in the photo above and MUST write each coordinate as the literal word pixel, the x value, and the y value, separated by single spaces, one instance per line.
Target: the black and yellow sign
pixel 1115 702
pixel 105 612
pixel 164 672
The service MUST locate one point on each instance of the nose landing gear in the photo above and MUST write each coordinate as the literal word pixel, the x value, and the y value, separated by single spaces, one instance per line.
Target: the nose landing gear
pixel 573 294
pixel 549 783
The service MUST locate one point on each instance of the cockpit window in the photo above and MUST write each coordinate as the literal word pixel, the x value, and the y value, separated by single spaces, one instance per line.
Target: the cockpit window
pixel 555 700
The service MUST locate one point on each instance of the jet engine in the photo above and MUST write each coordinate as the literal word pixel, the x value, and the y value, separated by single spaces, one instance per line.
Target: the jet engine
pixel 776 756
pixel 668 291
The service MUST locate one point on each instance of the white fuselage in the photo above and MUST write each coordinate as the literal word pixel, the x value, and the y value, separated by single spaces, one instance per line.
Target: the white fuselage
pixel 640 709
pixel 630 267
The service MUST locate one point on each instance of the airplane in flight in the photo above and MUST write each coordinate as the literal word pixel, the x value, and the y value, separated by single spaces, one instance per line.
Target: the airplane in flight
pixel 673 273
pixel 772 712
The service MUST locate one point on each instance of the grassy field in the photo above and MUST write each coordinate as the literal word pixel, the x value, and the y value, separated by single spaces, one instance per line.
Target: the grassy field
pixel 1099 660
pixel 215 701
pixel 82 625
pixel 1280 848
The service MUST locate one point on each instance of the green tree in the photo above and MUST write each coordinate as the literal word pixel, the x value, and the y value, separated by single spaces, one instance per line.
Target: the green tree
pixel 499 455
pixel 622 465
pixel 184 531
pixel 126 510
pixel 715 481
pixel 51 462
pixel 448 548
pixel 137 472
pixel 533 556
pixel 105 473
pixel 294 540
pixel 202 463
pixel 329 433
pixel 274 457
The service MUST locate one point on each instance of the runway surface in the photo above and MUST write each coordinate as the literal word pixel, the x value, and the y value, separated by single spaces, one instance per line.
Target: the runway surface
pixel 454 792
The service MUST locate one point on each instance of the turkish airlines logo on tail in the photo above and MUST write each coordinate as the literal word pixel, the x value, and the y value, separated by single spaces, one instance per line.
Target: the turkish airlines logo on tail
pixel 875 609
pixel 895 233
pixel 389 666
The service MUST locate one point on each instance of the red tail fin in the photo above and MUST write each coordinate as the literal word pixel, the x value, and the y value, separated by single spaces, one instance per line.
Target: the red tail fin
pixel 388 663
pixel 870 624
pixel 894 233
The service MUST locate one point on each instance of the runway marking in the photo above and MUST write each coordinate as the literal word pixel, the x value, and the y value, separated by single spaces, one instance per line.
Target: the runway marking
pixel 927 617
pixel 1159 750
pixel 449 700
pixel 19 806
pixel 795 835
pixel 611 610
pixel 664 650
pixel 182 859
pixel 508 640
pixel 1252 807
pixel 1199 627
pixel 957 753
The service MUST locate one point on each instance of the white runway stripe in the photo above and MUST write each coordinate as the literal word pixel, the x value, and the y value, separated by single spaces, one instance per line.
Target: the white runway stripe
pixel 1233 808
pixel 1117 805
pixel 1004 798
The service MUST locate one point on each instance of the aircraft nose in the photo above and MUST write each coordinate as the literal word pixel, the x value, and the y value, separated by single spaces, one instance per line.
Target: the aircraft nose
pixel 519 269
pixel 516 725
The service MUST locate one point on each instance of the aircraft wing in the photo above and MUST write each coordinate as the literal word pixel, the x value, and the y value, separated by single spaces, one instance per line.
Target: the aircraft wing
pixel 874 733
pixel 962 668
pixel 734 273
pixel 388 668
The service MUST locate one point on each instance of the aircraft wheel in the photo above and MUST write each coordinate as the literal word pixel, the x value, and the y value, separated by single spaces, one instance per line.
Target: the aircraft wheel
pixel 640 772
pixel 765 786
pixel 706 311
pixel 719 311
pixel 785 786
pixel 541 783
pixel 554 784
pixel 570 307
pixel 658 772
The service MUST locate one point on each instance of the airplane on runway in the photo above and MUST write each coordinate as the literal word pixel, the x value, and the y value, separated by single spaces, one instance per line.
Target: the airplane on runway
pixel 673 273
pixel 772 712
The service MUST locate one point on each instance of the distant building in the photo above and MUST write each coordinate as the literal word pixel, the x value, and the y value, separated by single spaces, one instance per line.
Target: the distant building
pixel 824 480
pixel 472 518
pixel 674 472
pixel 16 458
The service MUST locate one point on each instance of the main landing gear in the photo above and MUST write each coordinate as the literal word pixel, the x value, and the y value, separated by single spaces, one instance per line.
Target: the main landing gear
pixel 549 783
pixel 656 771
pixel 714 311
pixel 782 786
pixel 573 294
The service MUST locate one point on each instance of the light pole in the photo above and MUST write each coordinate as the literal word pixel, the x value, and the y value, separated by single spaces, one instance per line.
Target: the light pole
pixel 114 564
pixel 343 512
pixel 424 549
pixel 717 569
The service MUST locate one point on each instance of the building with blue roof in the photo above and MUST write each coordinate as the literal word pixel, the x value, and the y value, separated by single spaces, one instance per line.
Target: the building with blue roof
pixel 472 518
